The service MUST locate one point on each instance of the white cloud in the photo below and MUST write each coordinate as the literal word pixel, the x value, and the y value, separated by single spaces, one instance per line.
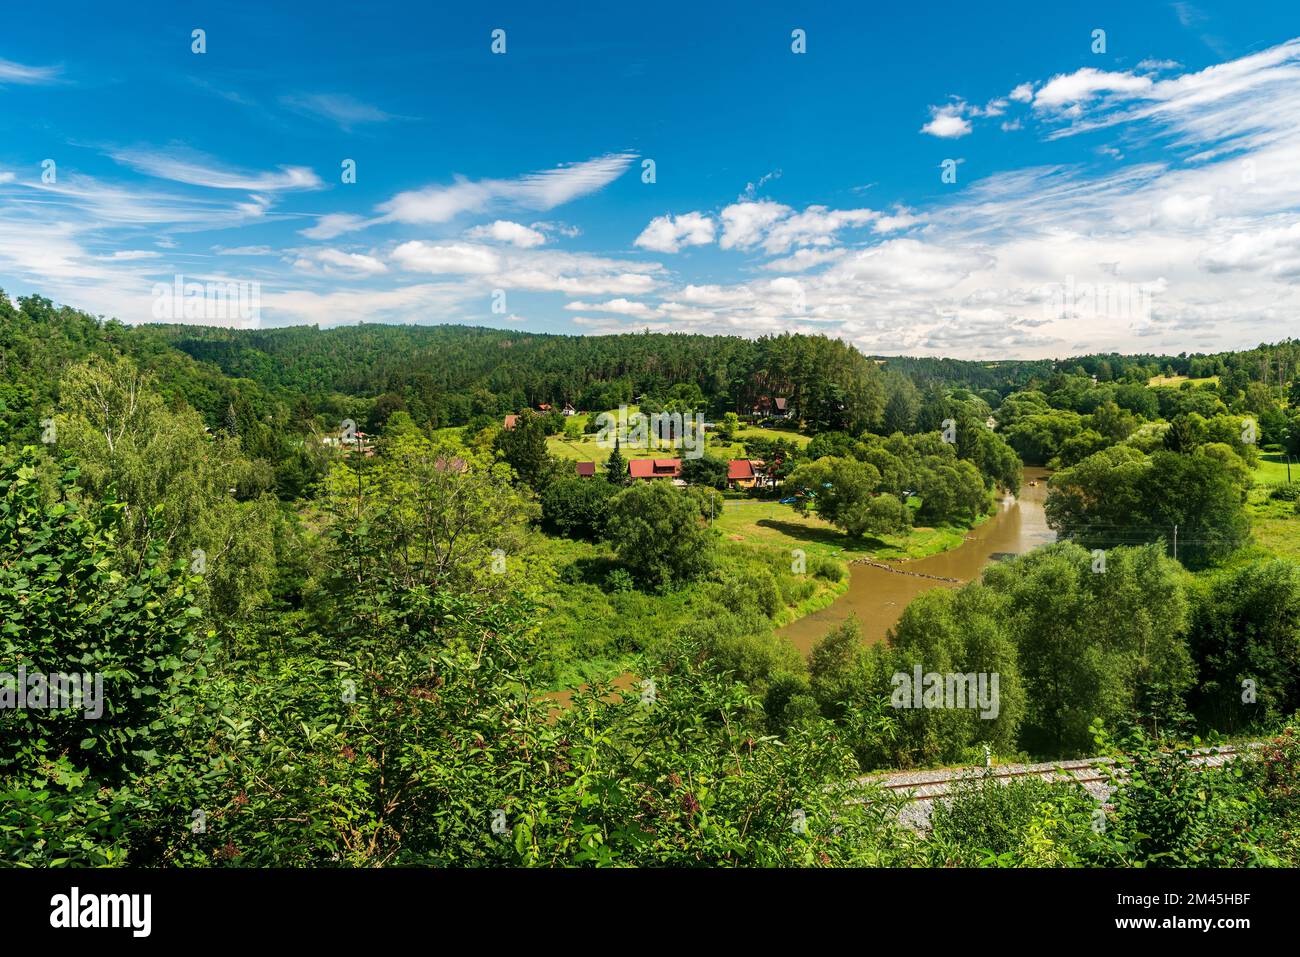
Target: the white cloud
pixel 947 122
pixel 623 307
pixel 340 108
pixel 668 234
pixel 11 72
pixel 804 259
pixel 243 250
pixel 1069 89
pixel 504 231
pixel 336 262
pixel 1023 93
pixel 334 224
pixel 130 255
pixel 197 170
pixel 743 224
pixel 542 190
pixel 454 258
pixel 902 218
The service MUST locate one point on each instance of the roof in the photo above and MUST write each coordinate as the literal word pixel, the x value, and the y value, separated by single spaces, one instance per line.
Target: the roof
pixel 510 422
pixel 586 468
pixel 740 469
pixel 654 468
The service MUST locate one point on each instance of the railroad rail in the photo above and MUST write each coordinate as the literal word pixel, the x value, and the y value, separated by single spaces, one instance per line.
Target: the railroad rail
pixel 920 789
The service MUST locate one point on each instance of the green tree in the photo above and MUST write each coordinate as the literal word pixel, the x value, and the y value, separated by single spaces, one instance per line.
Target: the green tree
pixel 179 486
pixel 706 470
pixel 616 466
pixel 657 532
pixel 577 507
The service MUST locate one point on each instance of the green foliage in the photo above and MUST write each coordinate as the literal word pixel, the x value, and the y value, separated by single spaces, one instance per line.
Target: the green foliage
pixel 1166 812
pixel 1120 496
pixel 707 470
pixel 577 507
pixel 1093 643
pixel 988 821
pixel 523 448
pixel 952 633
pixel 192 496
pixel 658 534
pixel 1246 628
pixel 65 608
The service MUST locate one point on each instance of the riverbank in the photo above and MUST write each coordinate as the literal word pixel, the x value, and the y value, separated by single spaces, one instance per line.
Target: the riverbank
pixel 772 525
pixel 877 596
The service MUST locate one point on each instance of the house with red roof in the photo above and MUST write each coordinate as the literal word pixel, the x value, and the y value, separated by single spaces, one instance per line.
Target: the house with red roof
pixel 585 469
pixel 741 473
pixel 509 422
pixel 646 469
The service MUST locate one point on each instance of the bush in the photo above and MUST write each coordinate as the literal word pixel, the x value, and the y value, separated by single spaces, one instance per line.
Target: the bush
pixel 1286 492
pixel 619 580
pixel 577 507
pixel 987 817
pixel 827 569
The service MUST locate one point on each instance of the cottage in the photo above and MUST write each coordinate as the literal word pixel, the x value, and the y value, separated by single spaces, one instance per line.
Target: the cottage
pixel 356 441
pixel 647 469
pixel 509 422
pixel 569 410
pixel 585 469
pixel 769 407
pixel 741 474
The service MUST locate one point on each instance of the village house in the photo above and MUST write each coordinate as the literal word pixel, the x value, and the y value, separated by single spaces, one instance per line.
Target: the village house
pixel 769 407
pixel 358 441
pixel 509 422
pixel 647 469
pixel 585 469
pixel 741 473
pixel 569 410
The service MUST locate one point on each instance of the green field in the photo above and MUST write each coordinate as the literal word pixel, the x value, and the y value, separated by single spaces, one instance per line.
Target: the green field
pixel 1180 379
pixel 591 632
pixel 773 525
pixel 1274 524
pixel 586 449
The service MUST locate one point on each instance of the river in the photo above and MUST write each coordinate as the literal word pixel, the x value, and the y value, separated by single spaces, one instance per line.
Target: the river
pixel 878 597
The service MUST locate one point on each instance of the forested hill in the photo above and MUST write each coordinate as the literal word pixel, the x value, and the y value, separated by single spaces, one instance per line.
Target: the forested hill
pixel 450 375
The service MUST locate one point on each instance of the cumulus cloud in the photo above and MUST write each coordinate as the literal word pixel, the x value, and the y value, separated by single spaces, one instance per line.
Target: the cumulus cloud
pixel 454 258
pixel 336 261
pixel 947 122
pixel 505 231
pixel 668 234
pixel 1071 89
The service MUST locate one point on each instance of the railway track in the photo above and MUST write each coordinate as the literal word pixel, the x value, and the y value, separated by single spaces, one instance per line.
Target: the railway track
pixel 921 789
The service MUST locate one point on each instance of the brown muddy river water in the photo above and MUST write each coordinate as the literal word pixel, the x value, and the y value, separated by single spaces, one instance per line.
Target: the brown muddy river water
pixel 878 597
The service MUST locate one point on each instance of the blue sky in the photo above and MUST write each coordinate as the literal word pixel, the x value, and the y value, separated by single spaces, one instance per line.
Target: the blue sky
pixel 1140 197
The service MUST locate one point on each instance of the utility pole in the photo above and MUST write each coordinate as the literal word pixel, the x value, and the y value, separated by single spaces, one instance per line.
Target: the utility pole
pixel 1175 542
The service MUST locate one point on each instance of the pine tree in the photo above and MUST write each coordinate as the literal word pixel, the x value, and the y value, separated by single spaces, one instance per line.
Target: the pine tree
pixel 616 466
